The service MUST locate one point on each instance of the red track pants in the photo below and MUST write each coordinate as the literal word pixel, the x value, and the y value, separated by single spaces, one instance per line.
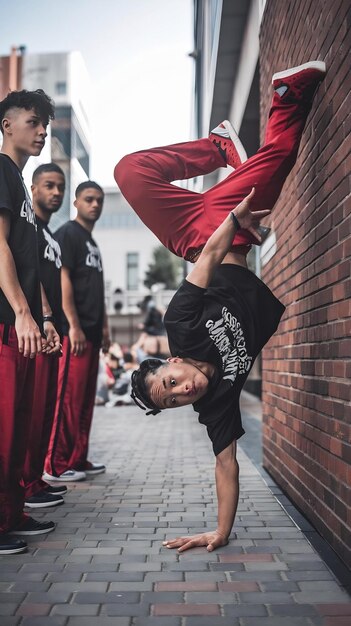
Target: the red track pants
pixel 183 220
pixel 17 384
pixel 44 402
pixel 68 447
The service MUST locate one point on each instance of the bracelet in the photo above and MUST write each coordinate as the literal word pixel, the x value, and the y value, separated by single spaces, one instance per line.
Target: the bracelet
pixel 48 318
pixel 235 220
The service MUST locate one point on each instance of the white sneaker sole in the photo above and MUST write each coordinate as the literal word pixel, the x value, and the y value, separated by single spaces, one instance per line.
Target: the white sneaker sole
pixel 316 65
pixel 32 533
pixel 236 141
pixel 13 551
pixel 64 479
pixel 40 505
pixel 94 472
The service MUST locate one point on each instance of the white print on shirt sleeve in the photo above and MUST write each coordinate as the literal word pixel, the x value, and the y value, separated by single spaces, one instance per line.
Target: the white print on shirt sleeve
pixel 52 250
pixel 93 257
pixel 228 337
pixel 26 209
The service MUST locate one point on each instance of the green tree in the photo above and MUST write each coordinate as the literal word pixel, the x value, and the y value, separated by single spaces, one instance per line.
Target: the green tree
pixel 164 268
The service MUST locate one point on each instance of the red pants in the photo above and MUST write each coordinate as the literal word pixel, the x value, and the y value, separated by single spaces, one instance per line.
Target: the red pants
pixel 183 220
pixel 68 447
pixel 44 401
pixel 17 383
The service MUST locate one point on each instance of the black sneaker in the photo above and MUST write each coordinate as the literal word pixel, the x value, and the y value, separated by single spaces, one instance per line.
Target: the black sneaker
pixel 43 499
pixel 60 490
pixel 31 527
pixel 11 545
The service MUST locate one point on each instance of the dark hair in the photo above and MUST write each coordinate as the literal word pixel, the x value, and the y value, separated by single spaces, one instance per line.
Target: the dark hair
pixel 37 100
pixel 88 184
pixel 140 392
pixel 44 168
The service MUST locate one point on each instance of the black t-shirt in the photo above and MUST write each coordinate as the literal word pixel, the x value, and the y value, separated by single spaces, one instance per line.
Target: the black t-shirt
pixel 14 199
pixel 81 255
pixel 50 269
pixel 226 325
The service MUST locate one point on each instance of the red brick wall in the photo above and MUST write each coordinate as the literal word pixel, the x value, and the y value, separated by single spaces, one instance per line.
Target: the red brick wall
pixel 306 365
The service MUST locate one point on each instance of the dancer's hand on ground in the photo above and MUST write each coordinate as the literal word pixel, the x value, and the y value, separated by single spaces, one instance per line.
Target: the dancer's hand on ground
pixel 250 220
pixel 78 341
pixel 211 541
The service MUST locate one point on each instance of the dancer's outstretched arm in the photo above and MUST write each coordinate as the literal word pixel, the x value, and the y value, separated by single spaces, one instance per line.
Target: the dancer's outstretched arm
pixel 221 240
pixel 227 486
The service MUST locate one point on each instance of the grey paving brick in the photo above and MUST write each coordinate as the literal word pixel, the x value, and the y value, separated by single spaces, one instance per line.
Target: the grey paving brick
pixel 57 577
pixel 210 621
pixel 10 621
pixel 205 576
pixel 273 597
pixel 243 610
pixel 43 567
pixel 130 586
pixel 315 575
pixel 48 597
pixel 258 576
pixel 8 608
pixel 275 621
pixel 163 577
pixel 30 586
pixel 98 621
pixel 75 609
pixel 292 610
pixel 57 620
pixel 122 597
pixel 132 610
pixel 198 566
pixel 157 621
pixel 281 585
pixel 210 597
pixel 16 598
pixel 81 586
pixel 322 597
pixel 110 577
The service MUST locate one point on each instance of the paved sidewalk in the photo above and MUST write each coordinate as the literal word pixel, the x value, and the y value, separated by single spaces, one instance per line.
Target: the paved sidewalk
pixel 105 564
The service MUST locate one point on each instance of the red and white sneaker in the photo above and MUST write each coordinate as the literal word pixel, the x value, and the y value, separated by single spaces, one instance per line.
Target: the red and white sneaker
pixel 299 83
pixel 229 144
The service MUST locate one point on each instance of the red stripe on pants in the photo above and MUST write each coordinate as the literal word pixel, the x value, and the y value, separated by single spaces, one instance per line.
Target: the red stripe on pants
pixel 68 447
pixel 17 384
pixel 43 410
pixel 184 220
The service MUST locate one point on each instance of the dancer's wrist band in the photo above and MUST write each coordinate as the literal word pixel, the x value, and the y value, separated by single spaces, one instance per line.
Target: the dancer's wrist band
pixel 49 318
pixel 235 220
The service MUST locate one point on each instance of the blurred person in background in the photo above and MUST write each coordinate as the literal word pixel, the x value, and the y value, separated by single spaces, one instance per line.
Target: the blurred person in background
pixel 48 188
pixel 85 330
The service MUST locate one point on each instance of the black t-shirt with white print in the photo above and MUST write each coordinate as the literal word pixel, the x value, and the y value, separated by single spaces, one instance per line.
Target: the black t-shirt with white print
pixel 226 325
pixel 15 200
pixel 81 255
pixel 50 269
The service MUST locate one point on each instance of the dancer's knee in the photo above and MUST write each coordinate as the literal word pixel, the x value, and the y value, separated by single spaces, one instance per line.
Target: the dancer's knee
pixel 122 169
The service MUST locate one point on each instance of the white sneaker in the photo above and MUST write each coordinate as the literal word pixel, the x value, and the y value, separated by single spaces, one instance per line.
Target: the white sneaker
pixel 227 141
pixel 67 476
pixel 94 468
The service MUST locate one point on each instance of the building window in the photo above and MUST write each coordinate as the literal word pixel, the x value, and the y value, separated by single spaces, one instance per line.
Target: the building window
pixel 61 88
pixel 132 271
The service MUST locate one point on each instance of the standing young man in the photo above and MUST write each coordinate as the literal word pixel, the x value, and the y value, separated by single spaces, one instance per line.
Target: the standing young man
pixel 48 188
pixel 24 116
pixel 85 330
pixel 222 315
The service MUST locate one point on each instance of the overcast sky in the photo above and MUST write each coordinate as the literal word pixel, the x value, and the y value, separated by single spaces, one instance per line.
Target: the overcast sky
pixel 136 53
